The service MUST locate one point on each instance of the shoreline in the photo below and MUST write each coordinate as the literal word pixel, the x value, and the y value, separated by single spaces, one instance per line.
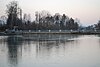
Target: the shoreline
pixel 27 33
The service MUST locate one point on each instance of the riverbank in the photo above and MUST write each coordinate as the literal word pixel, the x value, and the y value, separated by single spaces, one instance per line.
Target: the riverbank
pixel 23 33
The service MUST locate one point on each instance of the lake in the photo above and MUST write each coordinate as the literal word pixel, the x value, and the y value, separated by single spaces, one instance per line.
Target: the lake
pixel 50 50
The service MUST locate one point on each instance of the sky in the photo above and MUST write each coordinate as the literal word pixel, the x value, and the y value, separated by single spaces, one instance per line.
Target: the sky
pixel 87 11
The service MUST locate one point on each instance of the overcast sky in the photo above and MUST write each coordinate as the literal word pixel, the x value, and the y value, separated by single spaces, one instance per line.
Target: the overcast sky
pixel 88 11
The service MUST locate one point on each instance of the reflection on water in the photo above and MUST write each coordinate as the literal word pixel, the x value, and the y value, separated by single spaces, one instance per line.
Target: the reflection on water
pixel 13 43
pixel 54 50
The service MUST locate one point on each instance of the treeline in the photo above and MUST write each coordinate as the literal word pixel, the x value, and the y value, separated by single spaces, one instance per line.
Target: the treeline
pixel 48 22
pixel 94 27
pixel 43 20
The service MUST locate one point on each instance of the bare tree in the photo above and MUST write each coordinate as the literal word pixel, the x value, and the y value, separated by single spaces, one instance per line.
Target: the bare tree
pixel 13 11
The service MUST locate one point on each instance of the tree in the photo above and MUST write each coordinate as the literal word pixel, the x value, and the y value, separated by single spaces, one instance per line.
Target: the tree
pixel 76 25
pixel 3 19
pixel 98 25
pixel 63 21
pixel 37 17
pixel 13 13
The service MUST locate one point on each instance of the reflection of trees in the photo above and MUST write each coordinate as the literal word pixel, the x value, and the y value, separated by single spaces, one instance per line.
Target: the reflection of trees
pixel 54 42
pixel 45 45
pixel 13 44
pixel 51 37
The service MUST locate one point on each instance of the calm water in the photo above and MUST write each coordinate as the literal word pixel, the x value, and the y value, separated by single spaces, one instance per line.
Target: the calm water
pixel 50 51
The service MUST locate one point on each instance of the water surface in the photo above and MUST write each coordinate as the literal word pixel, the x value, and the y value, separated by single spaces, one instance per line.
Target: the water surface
pixel 46 50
